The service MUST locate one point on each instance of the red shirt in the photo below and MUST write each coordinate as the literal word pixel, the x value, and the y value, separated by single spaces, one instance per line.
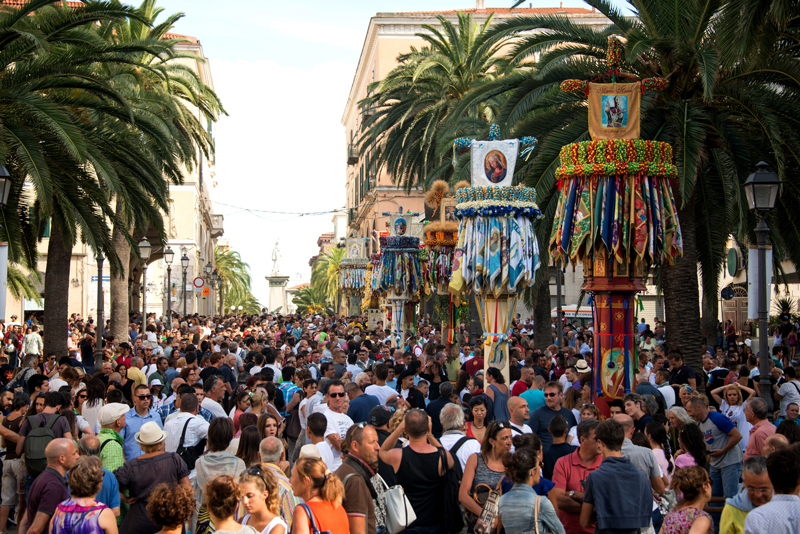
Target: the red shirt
pixel 519 388
pixel 758 435
pixel 567 475
pixel 474 365
pixel 125 361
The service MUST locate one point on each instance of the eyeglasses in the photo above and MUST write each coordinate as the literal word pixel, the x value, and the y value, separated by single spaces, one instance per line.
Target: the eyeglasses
pixel 335 395
pixel 551 394
pixel 144 397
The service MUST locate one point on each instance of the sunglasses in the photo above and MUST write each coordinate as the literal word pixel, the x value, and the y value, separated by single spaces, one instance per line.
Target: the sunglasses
pixel 144 397
pixel 551 394
pixel 335 395
pixel 83 396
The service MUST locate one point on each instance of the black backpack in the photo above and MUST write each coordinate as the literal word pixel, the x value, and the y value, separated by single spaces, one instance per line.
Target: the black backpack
pixel 190 454
pixel 36 442
pixel 456 463
pixel 453 518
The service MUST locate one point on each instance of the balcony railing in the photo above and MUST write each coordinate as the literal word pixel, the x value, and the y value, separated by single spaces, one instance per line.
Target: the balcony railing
pixel 352 153
pixel 368 111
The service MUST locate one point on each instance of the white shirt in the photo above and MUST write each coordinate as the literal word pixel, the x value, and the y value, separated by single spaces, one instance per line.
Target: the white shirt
pixel 470 447
pixel 276 521
pixel 327 453
pixel 339 424
pixel 525 430
pixel 255 369
pixel 790 393
pixel 381 392
pixel 56 384
pixel 668 392
pixel 353 369
pixel 196 431
pixel 277 372
pixel 213 407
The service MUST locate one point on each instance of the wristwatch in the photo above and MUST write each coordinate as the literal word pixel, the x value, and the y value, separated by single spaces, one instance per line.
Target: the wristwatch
pixel 571 493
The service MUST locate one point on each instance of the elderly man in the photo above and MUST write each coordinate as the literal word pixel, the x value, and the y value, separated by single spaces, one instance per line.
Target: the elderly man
pixel 135 372
pixel 112 420
pixel 271 452
pixel 461 447
pixel 758 491
pixel 756 413
pixel 776 442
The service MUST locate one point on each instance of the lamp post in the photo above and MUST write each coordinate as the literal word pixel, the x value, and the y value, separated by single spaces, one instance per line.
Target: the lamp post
pixel 233 310
pixel 762 188
pixel 144 252
pixel 185 266
pixel 5 188
pixel 98 350
pixel 214 280
pixel 556 271
pixel 208 268
pixel 169 255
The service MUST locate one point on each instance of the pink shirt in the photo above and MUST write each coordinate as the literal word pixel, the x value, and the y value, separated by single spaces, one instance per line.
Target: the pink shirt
pixel 567 475
pixel 758 435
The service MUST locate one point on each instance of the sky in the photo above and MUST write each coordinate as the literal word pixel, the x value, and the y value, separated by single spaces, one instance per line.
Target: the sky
pixel 283 71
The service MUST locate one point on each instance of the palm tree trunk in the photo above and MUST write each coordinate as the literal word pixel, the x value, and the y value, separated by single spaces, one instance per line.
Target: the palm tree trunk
pixel 56 293
pixel 119 284
pixel 682 296
pixel 710 318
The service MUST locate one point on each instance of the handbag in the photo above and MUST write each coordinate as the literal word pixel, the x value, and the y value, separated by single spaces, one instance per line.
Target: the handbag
pixel 313 522
pixel 667 502
pixel 487 498
pixel 189 455
pixel 453 517
pixel 536 516
pixel 379 502
pixel 396 509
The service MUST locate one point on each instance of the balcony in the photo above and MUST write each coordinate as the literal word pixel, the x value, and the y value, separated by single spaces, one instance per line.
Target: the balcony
pixel 368 111
pixel 352 153
pixel 216 225
pixel 372 181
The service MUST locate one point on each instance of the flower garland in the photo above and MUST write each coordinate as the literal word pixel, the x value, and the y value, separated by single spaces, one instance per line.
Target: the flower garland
pixel 654 84
pixel 496 201
pixel 616 156
pixel 614 51
pixel 574 86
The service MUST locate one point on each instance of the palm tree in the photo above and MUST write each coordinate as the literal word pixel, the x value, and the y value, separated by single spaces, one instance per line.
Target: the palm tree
pixel 234 276
pixel 325 275
pixel 311 300
pixel 407 130
pixel 717 113
pixel 161 91
pixel 244 298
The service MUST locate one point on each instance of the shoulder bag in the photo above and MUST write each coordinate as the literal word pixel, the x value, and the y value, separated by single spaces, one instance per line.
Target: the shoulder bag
pixel 453 518
pixel 536 508
pixel 190 454
pixel 396 508
pixel 487 497
pixel 312 522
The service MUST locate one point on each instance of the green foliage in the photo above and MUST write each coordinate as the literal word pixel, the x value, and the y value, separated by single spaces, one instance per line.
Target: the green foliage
pixel 325 275
pixel 311 300
pixel 233 279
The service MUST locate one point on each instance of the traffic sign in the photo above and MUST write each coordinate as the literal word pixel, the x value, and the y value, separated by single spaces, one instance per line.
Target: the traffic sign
pixel 205 291
pixel 198 284
pixel 727 293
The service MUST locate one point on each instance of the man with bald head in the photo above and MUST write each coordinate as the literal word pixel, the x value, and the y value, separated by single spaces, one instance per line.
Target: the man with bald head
pixel 50 488
pixel 519 412
pixel 109 491
pixel 776 442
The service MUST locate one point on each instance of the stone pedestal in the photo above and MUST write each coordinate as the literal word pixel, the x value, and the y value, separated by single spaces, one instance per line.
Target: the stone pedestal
pixel 277 293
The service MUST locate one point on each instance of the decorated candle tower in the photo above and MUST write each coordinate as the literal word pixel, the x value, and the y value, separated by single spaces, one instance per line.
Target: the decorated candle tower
pixel 616 213
pixel 399 274
pixel 496 253
pixel 353 273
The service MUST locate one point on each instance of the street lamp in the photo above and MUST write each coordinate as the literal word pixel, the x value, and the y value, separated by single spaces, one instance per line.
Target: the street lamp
pixel 185 265
pixel 240 310
pixel 762 188
pixel 5 188
pixel 233 310
pixel 144 252
pixel 169 255
pixel 98 351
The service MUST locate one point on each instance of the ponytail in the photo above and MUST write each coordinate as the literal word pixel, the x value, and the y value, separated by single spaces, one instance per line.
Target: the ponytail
pixel 330 487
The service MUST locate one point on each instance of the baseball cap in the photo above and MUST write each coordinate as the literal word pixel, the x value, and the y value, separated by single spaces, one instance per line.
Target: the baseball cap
pixel 380 415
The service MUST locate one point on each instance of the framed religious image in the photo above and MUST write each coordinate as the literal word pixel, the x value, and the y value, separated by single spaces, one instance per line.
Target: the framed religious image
pixel 354 247
pixel 493 162
pixel 398 226
pixel 447 210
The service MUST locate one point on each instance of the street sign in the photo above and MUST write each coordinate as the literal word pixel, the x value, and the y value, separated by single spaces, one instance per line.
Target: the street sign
pixel 205 291
pixel 105 279
pixel 727 293
pixel 198 284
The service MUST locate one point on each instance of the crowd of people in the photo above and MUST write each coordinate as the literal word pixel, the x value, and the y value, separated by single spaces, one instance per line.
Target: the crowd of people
pixel 277 424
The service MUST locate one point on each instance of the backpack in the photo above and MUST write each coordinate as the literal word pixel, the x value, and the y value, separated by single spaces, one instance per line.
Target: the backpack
pixel 189 455
pixel 456 463
pixel 21 380
pixel 35 443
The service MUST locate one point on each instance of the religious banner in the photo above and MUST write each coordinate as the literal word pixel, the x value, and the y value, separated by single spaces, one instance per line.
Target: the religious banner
pixel 355 248
pixel 614 110
pixel 493 162
pixel 399 224
pixel 374 316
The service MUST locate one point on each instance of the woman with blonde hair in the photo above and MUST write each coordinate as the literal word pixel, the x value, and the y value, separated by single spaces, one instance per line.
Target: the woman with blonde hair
pixel 258 403
pixel 260 501
pixel 732 405
pixel 322 493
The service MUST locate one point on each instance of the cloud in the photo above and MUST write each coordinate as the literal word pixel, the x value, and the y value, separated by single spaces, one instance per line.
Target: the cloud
pixel 282 149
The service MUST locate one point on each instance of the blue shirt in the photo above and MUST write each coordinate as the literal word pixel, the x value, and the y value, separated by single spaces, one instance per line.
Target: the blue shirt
pixel 540 421
pixel 781 515
pixel 361 406
pixel 133 423
pixel 392 384
pixel 109 492
pixel 620 494
pixel 535 398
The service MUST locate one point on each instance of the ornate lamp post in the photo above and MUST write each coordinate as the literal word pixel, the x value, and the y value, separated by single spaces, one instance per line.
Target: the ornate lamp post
pixel 144 252
pixel 98 351
pixel 762 188
pixel 185 266
pixel 169 255
pixel 5 189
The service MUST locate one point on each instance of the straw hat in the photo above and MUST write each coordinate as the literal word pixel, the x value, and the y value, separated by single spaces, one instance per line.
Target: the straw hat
pixel 150 434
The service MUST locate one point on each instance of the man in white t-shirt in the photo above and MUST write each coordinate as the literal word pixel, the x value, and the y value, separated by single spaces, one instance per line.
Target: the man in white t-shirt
pixel 789 392
pixel 380 389
pixel 316 426
pixel 338 421
pixel 519 412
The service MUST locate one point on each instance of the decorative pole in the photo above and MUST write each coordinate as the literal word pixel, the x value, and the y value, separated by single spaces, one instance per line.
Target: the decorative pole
pixel 98 350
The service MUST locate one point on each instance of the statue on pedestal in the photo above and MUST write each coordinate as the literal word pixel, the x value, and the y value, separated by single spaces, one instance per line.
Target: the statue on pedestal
pixel 275 255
